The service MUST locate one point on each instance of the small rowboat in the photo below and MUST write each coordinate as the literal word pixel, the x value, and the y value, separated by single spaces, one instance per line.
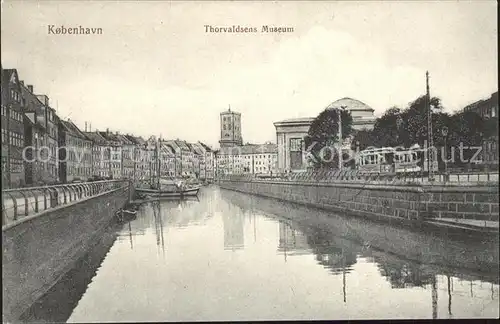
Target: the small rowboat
pixel 125 215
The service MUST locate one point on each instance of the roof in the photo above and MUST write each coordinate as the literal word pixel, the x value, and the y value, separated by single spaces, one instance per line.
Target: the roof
pixel 168 148
pixel 206 147
pixel 110 136
pixel 8 73
pixel 123 138
pixel 139 140
pixel 198 149
pixel 29 120
pixel 350 104
pixel 297 120
pixel 71 128
pixel 33 103
pixel 172 144
pixel 130 138
pixel 183 145
pixel 96 137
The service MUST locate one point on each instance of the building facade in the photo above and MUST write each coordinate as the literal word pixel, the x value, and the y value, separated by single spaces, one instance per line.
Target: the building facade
pixel 140 157
pixel 205 156
pixel 75 153
pixel 100 155
pixel 230 129
pixel 168 161
pixel 290 133
pixel 47 116
pixel 115 153
pixel 488 108
pixel 258 159
pixel 127 156
pixel 41 154
pixel 12 127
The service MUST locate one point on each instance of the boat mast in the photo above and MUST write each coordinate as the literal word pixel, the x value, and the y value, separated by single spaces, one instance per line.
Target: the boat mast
pixel 181 159
pixel 159 162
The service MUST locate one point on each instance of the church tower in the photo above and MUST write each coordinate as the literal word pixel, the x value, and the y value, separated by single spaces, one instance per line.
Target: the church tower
pixel 230 129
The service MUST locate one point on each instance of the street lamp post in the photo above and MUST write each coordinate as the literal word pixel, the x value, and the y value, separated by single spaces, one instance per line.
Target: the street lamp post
pixel 430 160
pixel 444 131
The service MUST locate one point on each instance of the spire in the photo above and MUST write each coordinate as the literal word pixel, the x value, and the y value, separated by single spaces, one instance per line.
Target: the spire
pixel 229 108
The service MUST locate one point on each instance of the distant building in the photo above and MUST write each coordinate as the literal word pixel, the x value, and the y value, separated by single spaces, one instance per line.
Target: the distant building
pixel 41 139
pixel 174 158
pixel 100 155
pixel 488 108
pixel 187 156
pixel 290 133
pixel 140 157
pixel 247 159
pixel 47 115
pixel 128 150
pixel 230 129
pixel 205 156
pixel 168 160
pixel 152 157
pixel 75 153
pixel 290 136
pixel 209 161
pixel 116 158
pixel 12 127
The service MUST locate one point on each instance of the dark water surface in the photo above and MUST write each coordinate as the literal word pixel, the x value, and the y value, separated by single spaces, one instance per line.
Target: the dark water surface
pixel 231 256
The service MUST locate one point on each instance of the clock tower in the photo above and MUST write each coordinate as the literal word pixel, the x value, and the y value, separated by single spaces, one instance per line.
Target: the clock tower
pixel 230 129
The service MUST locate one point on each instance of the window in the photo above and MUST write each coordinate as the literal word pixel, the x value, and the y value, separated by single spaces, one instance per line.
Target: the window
pixel 295 144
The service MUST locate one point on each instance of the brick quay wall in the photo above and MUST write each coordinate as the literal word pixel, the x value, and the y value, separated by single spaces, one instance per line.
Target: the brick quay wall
pixel 40 249
pixel 393 203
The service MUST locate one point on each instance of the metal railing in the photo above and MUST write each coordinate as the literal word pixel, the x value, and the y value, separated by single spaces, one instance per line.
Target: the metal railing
pixel 356 176
pixel 22 202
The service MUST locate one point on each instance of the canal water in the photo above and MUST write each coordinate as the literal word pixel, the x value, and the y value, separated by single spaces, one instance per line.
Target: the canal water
pixel 232 256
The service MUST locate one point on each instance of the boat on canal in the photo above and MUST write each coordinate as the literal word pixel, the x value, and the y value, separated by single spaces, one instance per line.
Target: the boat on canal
pixel 169 192
pixel 160 187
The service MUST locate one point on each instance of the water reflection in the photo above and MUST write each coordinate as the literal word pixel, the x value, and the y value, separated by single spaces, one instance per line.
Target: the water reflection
pixel 282 269
pixel 339 255
pixel 234 238
pixel 291 240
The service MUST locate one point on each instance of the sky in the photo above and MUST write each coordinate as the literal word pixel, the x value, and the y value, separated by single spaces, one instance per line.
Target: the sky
pixel 155 71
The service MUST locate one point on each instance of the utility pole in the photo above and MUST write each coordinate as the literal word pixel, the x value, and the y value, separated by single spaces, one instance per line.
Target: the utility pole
pixel 340 138
pixel 109 161
pixel 430 149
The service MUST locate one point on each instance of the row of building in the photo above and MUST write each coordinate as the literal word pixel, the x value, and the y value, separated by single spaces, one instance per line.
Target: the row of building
pixel 38 147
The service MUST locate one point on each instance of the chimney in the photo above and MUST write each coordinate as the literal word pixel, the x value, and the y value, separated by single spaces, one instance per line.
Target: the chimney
pixel 90 127
pixel 107 131
pixel 30 88
pixel 22 82
pixel 85 126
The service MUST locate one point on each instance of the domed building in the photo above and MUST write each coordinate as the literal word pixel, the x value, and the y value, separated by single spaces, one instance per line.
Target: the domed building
pixel 290 133
pixel 362 114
